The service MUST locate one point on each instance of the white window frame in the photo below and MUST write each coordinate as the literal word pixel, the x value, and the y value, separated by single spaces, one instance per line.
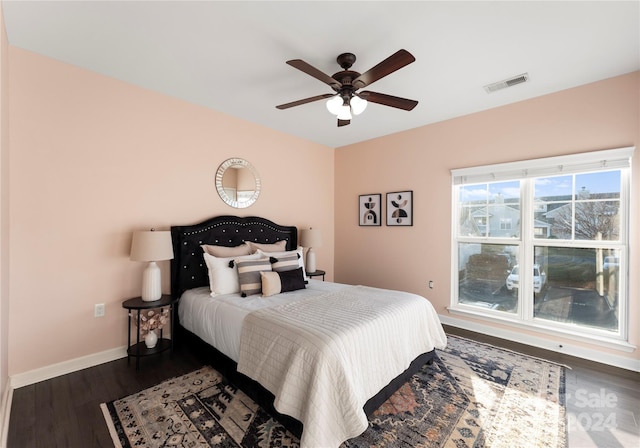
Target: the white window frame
pixel 524 171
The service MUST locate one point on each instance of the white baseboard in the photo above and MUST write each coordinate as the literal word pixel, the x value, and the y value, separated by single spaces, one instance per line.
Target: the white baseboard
pixel 62 368
pixel 5 411
pixel 547 344
pixel 46 373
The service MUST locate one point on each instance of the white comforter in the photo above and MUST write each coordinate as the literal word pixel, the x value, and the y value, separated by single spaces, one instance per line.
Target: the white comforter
pixel 324 357
pixel 218 320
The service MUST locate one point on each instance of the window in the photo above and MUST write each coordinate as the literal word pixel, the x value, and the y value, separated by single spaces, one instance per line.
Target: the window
pixel 505 223
pixel 544 242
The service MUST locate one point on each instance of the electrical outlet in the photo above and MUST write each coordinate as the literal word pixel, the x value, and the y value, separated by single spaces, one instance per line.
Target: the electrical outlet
pixel 98 310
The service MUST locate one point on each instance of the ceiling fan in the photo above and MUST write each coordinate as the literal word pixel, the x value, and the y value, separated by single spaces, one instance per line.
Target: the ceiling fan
pixel 346 83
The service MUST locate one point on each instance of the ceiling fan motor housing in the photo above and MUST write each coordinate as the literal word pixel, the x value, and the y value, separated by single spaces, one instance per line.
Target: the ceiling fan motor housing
pixel 345 78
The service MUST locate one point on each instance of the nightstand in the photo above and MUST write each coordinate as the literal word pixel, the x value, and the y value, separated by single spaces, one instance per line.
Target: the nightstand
pixel 317 273
pixel 139 349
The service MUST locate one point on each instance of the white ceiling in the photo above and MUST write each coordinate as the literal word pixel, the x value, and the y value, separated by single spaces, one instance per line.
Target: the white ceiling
pixel 230 56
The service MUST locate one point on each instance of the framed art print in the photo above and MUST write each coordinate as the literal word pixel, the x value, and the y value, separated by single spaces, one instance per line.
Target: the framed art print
pixel 370 209
pixel 400 208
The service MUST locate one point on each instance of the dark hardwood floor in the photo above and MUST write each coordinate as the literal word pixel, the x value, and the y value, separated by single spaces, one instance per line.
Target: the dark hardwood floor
pixel 65 412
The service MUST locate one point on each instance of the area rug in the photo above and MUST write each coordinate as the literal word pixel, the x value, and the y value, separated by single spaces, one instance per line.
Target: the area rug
pixel 472 395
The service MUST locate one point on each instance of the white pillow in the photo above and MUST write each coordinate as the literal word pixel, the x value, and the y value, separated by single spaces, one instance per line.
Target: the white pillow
pixel 222 278
pixel 298 251
pixel 223 251
pixel 264 247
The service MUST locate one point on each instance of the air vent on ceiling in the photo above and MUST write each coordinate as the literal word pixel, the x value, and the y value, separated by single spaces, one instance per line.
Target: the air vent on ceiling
pixel 514 80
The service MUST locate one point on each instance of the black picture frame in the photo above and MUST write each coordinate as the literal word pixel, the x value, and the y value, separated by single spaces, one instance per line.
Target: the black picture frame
pixel 370 210
pixel 400 208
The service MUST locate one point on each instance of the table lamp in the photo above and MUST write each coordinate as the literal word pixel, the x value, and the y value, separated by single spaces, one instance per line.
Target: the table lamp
pixel 151 246
pixel 310 238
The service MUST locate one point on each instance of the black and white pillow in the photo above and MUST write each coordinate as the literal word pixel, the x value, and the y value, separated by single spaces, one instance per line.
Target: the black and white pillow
pixel 249 275
pixel 298 253
pixel 285 262
pixel 277 282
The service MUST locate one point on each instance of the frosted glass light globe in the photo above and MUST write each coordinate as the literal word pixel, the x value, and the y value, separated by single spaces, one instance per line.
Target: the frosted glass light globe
pixel 358 105
pixel 334 104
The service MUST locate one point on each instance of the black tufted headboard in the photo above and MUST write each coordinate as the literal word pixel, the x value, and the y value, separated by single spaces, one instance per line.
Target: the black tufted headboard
pixel 188 269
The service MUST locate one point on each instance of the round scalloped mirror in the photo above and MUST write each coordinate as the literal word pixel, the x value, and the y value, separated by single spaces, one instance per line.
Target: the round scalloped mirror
pixel 238 183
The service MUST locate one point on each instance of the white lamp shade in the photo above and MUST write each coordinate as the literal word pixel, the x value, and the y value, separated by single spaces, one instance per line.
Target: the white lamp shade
pixel 310 238
pixel 358 105
pixel 151 245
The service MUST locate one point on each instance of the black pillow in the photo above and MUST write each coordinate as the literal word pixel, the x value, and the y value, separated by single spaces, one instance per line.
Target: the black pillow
pixel 292 280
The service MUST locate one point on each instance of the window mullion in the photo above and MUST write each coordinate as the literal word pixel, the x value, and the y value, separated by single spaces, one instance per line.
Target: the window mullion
pixel 526 250
pixel 625 207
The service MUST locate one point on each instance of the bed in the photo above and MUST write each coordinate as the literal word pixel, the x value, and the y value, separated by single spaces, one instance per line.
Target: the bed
pixel 294 353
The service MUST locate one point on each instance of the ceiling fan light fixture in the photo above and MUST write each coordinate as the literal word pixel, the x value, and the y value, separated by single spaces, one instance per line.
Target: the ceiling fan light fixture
pixel 358 105
pixel 345 113
pixel 334 104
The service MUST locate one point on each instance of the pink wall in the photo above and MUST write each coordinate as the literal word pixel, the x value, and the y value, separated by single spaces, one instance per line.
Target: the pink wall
pixel 92 160
pixel 602 115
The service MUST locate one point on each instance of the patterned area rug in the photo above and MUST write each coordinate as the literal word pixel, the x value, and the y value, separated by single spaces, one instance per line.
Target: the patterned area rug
pixel 473 395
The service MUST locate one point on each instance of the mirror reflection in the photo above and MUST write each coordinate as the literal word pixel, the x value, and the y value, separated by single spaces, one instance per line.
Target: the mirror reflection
pixel 238 183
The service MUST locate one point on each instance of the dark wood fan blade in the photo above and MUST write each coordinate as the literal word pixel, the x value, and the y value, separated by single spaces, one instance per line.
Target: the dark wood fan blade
pixel 305 101
pixel 388 100
pixel 312 71
pixel 343 122
pixel 394 62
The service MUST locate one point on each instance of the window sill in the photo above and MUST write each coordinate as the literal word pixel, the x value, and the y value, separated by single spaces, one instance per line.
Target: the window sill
pixel 602 341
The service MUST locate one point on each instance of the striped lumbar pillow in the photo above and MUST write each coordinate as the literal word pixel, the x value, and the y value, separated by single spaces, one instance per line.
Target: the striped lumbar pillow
pixel 285 263
pixel 249 275
pixel 288 263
